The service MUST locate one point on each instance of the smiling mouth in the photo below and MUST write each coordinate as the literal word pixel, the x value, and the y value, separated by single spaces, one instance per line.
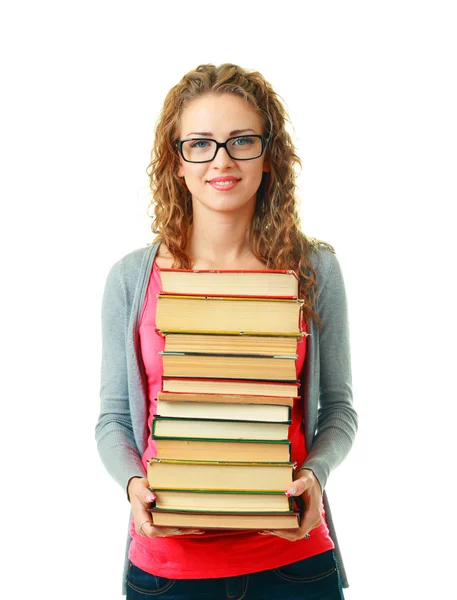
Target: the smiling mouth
pixel 226 182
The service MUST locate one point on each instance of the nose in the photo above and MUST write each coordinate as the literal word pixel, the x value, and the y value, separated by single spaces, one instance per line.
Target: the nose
pixel 222 158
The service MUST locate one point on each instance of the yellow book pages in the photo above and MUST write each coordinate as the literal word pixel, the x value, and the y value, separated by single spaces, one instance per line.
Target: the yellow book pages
pixel 225 398
pixel 229 367
pixel 224 521
pixel 184 449
pixel 232 412
pixel 166 427
pixel 229 387
pixel 236 282
pixel 234 315
pixel 220 501
pixel 211 475
pixel 231 344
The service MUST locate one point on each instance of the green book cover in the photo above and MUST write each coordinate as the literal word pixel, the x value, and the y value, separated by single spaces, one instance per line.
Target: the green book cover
pixel 225 512
pixel 220 463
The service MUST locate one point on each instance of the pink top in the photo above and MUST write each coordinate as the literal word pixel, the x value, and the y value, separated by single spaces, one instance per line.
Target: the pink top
pixel 221 553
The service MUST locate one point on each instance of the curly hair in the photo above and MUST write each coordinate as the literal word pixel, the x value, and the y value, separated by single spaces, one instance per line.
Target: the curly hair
pixel 274 237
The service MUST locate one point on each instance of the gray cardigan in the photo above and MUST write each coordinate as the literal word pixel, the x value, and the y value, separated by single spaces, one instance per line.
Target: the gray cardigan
pixel 121 431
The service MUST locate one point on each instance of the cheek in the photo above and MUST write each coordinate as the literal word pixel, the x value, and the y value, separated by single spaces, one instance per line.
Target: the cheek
pixel 194 176
pixel 256 173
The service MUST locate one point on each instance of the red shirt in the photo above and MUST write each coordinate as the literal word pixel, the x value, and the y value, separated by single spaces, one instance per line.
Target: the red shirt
pixel 213 554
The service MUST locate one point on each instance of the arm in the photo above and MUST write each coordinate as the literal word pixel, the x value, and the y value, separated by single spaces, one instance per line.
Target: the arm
pixel 337 419
pixel 114 433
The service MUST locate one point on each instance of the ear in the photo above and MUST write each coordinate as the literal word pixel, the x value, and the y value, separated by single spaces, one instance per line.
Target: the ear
pixel 266 166
pixel 180 170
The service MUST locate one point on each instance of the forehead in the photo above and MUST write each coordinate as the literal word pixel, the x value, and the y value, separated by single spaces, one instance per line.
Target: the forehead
pixel 219 114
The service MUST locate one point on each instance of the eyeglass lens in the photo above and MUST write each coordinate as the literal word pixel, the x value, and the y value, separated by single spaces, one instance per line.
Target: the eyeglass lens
pixel 243 147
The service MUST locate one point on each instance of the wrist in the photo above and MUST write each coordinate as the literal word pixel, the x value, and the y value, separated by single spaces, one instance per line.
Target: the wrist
pixel 132 484
pixel 307 473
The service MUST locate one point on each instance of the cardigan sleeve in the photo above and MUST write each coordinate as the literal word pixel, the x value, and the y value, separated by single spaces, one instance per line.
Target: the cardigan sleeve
pixel 337 419
pixel 114 432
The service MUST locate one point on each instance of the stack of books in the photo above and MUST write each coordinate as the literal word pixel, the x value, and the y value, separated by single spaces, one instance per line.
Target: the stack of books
pixel 229 383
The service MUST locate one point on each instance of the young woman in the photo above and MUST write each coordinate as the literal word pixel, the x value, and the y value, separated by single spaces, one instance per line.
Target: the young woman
pixel 223 192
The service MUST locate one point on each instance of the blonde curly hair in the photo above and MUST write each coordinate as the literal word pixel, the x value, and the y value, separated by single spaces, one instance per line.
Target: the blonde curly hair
pixel 275 237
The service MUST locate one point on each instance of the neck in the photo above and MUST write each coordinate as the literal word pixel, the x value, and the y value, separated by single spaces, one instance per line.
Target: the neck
pixel 221 239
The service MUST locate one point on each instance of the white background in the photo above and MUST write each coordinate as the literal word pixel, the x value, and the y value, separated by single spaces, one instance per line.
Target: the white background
pixel 371 92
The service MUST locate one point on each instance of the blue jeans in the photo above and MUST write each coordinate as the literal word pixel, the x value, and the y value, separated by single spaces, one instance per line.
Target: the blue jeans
pixel 314 578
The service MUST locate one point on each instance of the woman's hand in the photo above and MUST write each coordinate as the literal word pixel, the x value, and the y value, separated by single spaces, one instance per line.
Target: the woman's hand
pixel 140 499
pixel 307 486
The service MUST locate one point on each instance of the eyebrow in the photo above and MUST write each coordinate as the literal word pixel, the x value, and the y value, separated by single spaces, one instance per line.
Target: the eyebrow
pixel 206 133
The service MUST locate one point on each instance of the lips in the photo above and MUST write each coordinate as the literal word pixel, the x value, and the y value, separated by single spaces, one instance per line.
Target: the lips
pixel 223 179
pixel 224 184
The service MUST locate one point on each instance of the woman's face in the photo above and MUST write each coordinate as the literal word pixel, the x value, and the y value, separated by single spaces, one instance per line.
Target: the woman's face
pixel 220 117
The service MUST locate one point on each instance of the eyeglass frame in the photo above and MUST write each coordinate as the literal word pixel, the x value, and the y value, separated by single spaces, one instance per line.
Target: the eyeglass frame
pixel 178 143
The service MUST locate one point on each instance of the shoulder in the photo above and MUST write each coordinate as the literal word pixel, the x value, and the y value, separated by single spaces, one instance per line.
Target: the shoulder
pixel 327 268
pixel 323 259
pixel 125 271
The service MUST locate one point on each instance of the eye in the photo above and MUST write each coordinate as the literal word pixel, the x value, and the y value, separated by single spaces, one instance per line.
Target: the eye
pixel 243 141
pixel 199 144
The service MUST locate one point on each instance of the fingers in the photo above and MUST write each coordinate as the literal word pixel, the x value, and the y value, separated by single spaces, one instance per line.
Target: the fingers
pixel 148 529
pixel 145 528
pixel 289 534
pixel 141 499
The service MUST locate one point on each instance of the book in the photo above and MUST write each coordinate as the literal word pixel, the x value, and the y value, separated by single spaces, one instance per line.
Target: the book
pixel 206 314
pixel 213 449
pixel 166 427
pixel 232 344
pixel 228 366
pixel 268 282
pixel 223 501
pixel 218 475
pixel 225 520
pixel 200 385
pixel 231 412
pixel 226 398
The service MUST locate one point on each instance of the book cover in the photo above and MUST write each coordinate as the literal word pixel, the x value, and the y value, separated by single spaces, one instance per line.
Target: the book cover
pixel 226 398
pixel 220 411
pixel 254 345
pixel 229 386
pixel 219 475
pixel 223 501
pixel 204 449
pixel 228 366
pixel 241 283
pixel 208 314
pixel 166 427
pixel 225 520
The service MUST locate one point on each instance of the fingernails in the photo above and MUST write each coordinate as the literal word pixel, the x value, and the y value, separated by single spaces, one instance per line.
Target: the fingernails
pixel 291 492
pixel 150 498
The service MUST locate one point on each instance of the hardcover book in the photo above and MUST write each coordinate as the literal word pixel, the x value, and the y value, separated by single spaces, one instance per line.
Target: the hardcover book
pixel 225 398
pixel 225 520
pixel 259 345
pixel 268 282
pixel 166 427
pixel 218 475
pixel 218 411
pixel 223 501
pixel 223 450
pixel 186 364
pixel 200 385
pixel 228 315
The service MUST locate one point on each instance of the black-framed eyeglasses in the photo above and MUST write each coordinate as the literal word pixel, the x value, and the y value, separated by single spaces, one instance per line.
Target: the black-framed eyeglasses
pixel 241 147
